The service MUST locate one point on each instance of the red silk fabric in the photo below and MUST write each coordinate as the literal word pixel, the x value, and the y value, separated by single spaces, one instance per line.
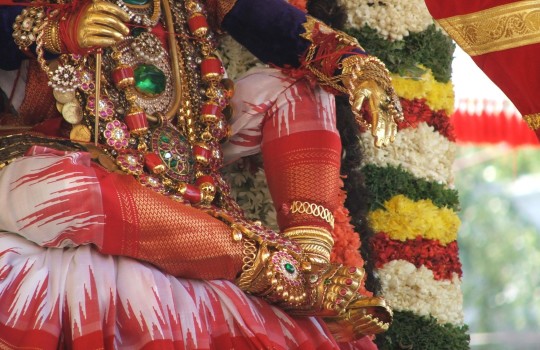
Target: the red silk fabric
pixel 514 70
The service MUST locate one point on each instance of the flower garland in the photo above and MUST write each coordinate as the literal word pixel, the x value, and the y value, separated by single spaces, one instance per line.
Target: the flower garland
pixel 407 287
pixel 421 151
pixel 413 210
pixel 437 95
pixel 417 111
pixel 420 276
pixel 442 260
pixel 393 19
pixel 400 219
pixel 385 183
pixel 430 48
pixel 409 331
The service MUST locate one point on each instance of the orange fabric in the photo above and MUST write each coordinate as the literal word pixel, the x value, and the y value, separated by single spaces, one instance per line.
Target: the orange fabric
pixel 178 239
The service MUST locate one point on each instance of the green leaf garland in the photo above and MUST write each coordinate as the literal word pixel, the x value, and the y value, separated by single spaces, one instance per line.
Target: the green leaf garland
pixel 385 183
pixel 409 331
pixel 430 48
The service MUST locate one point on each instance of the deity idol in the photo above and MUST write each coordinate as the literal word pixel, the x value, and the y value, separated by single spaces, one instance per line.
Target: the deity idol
pixel 119 229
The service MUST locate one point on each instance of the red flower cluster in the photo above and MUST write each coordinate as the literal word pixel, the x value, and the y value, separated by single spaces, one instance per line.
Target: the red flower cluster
pixel 346 241
pixel 417 111
pixel 442 260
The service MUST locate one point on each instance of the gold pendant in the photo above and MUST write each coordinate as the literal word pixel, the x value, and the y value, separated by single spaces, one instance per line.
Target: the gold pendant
pixel 80 133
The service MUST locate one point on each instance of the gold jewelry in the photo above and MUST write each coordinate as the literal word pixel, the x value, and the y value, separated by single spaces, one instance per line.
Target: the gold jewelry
pixel 273 274
pixel 26 26
pixel 313 209
pixel 532 120
pixel 51 40
pixel 363 316
pixel 316 243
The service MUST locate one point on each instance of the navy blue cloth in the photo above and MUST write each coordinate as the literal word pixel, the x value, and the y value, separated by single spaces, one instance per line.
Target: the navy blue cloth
pixel 270 29
pixel 10 56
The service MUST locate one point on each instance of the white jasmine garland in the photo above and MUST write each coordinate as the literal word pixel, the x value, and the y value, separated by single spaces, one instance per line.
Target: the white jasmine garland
pixel 407 288
pixel 393 19
pixel 422 151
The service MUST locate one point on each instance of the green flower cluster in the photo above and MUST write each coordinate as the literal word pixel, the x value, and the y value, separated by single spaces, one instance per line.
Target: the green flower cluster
pixel 385 183
pixel 430 48
pixel 409 331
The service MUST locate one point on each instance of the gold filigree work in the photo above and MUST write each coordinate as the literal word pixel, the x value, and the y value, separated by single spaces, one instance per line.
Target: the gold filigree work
pixel 532 120
pixel 313 209
pixel 496 29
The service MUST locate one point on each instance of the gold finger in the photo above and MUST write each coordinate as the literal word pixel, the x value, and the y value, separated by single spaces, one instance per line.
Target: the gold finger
pixel 110 22
pixel 107 7
pixel 96 31
pixel 93 41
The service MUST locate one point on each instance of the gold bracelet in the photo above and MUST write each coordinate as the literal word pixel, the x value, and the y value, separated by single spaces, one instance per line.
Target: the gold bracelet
pixel 313 209
pixel 272 274
pixel 26 26
pixel 51 42
pixel 532 120
pixel 316 242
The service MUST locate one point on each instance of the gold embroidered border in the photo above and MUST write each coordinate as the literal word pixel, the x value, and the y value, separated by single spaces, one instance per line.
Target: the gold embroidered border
pixel 533 120
pixel 496 29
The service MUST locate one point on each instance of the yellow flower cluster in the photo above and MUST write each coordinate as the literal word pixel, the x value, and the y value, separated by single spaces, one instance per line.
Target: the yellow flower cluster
pixel 438 95
pixel 406 219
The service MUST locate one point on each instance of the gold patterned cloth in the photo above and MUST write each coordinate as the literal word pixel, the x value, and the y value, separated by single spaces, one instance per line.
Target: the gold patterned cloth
pixel 179 239
pixel 503 38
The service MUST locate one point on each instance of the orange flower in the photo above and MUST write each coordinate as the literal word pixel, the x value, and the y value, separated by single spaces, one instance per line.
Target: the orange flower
pixel 346 249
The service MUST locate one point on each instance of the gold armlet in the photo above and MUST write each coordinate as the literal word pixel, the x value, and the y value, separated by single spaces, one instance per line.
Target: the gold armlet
pixel 26 26
pixel 316 243
pixel 299 207
pixel 51 37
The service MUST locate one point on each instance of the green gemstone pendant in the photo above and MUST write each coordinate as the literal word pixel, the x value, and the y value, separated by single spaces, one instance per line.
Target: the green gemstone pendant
pixel 149 80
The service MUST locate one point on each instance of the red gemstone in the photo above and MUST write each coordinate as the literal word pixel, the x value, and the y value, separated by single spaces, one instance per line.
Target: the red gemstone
pixel 211 112
pixel 339 300
pixel 204 179
pixel 202 153
pixel 192 193
pixel 348 281
pixel 136 121
pixel 211 69
pixel 342 292
pixel 123 76
pixel 154 163
pixel 198 25
pixel 352 269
